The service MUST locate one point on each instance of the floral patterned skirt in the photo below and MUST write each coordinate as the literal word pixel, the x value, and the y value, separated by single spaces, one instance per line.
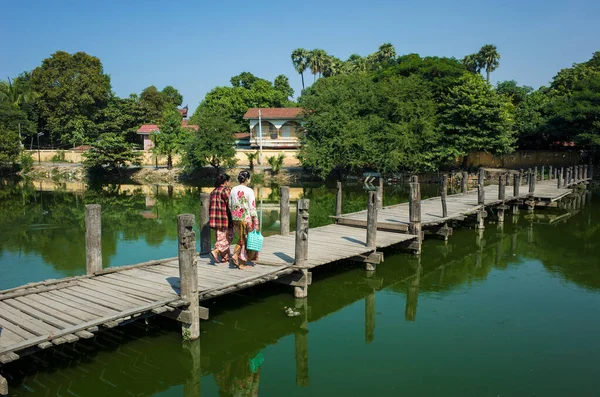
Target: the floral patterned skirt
pixel 241 229
pixel 224 239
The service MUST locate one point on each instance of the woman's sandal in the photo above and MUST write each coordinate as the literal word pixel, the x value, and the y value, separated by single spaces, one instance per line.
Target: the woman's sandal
pixel 214 256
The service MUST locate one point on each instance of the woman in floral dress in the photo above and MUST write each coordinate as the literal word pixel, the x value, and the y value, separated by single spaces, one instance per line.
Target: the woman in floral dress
pixel 245 219
pixel 220 218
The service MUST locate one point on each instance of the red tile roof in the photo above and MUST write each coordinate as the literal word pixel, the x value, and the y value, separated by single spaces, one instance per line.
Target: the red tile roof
pixel 183 111
pixel 241 135
pixel 147 129
pixel 274 113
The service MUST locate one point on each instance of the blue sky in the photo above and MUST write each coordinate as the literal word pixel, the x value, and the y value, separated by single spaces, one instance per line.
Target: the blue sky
pixel 197 45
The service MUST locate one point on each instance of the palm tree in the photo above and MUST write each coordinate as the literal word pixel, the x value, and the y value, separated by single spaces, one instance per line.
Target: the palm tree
pixel 357 63
pixel 14 92
pixel 332 66
pixel 386 53
pixel 299 59
pixel 471 63
pixel 489 59
pixel 316 61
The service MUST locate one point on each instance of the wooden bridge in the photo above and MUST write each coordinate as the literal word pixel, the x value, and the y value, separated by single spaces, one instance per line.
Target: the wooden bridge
pixel 40 315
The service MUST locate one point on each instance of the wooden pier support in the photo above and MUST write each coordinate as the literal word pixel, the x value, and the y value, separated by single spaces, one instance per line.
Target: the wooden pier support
pixel 204 226
pixel 585 172
pixel 444 192
pixel 535 173
pixel 481 214
pixel 301 252
pixel 464 182
pixel 414 226
pixel 3 387
pixel 502 179
pixel 516 184
pixel 559 179
pixel 380 194
pixel 93 239
pixel 531 182
pixel 543 173
pixel 372 226
pixel 338 200
pixel 284 210
pixel 568 177
pixel 551 173
pixel 188 275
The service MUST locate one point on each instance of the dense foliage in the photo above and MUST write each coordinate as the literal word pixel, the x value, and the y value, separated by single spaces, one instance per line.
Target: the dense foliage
pixel 110 153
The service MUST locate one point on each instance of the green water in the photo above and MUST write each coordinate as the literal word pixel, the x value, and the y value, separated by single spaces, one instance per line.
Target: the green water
pixel 515 312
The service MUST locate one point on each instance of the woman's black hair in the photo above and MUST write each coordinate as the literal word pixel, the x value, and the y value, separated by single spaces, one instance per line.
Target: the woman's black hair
pixel 221 179
pixel 243 176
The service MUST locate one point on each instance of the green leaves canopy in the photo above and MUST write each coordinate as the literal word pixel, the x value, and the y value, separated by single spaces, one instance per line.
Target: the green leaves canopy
pixel 109 153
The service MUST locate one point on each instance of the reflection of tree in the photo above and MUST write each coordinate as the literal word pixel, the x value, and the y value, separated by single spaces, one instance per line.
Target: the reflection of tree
pixel 52 224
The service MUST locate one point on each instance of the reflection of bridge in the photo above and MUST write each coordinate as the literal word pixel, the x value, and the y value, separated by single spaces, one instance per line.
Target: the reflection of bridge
pixel 125 363
pixel 36 317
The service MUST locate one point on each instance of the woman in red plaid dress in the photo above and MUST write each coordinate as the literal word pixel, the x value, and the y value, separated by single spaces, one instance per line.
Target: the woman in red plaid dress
pixel 220 218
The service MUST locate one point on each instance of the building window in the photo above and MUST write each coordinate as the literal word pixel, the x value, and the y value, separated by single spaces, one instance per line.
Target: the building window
pixel 269 131
pixel 290 129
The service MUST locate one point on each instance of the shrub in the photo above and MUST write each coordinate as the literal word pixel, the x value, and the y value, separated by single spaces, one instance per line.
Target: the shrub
pixel 276 162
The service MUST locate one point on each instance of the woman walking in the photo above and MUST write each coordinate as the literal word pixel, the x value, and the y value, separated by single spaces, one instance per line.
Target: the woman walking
pixel 245 219
pixel 220 218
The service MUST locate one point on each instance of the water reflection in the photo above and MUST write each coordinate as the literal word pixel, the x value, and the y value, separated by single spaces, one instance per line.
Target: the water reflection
pixel 233 352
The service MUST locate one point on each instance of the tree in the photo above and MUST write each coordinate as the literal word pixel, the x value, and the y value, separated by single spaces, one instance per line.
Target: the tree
pixel 471 63
pixel 316 61
pixel 488 58
pixel 69 88
pixel 473 117
pixel 282 84
pixel 15 121
pixel 354 122
pixel 385 54
pixel 300 61
pixel 356 63
pixel 248 91
pixel 212 144
pixel 172 96
pixel 110 153
pixel 124 115
pixel 517 94
pixel 10 144
pixel 172 136
pixel 15 92
pixel 154 103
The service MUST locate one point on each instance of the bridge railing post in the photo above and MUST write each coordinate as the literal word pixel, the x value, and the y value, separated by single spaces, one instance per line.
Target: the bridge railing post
pixel 204 223
pixel 93 239
pixel 284 210
pixel 444 192
pixel 338 200
pixel 543 173
pixel 372 221
pixel 415 212
pixel 188 274
pixel 480 186
pixel 463 183
pixel 301 249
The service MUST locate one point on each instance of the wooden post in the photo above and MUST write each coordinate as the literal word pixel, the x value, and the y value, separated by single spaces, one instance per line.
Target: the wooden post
pixel 501 187
pixel 93 239
pixel 543 173
pixel 3 387
pixel 414 226
pixel 585 173
pixel 463 184
pixel 579 169
pixel 372 221
pixel 444 192
pixel 338 200
pixel 204 226
pixel 522 175
pixel 301 254
pixel 516 184
pixel 559 179
pixel 380 194
pixel 563 176
pixel 370 317
pixel 481 176
pixel 284 210
pixel 531 181
pixel 188 274
pixel 301 353
pixel 550 173
pixel 568 178
pixel 480 194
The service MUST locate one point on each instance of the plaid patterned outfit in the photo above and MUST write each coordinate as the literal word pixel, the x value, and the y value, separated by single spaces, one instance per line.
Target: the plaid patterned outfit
pixel 220 219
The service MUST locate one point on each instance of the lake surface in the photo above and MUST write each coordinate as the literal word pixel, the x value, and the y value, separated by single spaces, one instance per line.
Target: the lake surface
pixel 514 312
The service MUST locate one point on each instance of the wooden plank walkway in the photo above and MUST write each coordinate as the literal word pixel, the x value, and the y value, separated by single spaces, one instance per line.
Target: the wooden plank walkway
pixel 56 312
pixel 396 217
